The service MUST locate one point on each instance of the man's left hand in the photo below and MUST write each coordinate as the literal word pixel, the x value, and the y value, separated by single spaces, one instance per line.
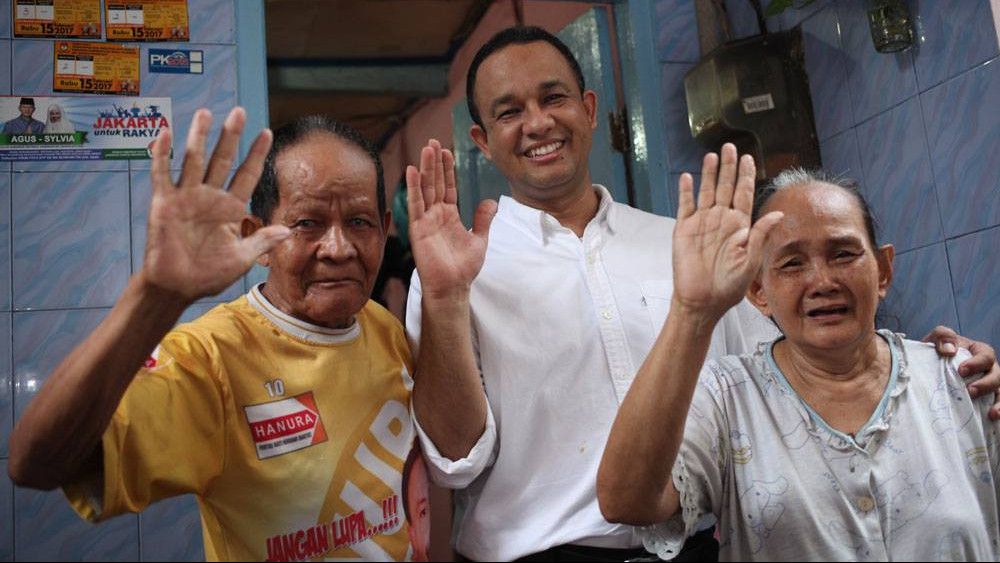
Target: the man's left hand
pixel 983 360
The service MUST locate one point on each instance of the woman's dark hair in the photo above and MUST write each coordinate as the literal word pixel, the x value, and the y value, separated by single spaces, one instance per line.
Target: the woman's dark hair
pixel 798 177
pixel 265 195
pixel 519 35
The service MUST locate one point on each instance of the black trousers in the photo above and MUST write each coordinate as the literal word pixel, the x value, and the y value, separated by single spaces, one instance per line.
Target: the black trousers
pixel 699 547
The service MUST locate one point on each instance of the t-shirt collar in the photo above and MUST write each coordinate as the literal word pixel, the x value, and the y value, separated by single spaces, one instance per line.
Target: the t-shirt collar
pixel 297 327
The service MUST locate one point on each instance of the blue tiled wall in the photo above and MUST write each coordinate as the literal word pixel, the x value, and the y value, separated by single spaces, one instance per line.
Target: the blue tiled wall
pixel 919 130
pixel 70 235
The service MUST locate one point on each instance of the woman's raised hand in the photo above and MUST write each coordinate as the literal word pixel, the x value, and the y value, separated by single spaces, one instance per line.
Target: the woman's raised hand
pixel 716 253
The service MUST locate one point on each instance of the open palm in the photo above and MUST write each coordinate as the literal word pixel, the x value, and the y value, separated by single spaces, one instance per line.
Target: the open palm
pixel 193 247
pixel 716 253
pixel 448 256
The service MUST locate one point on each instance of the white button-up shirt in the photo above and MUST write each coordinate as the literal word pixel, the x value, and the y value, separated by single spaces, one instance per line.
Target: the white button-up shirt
pixel 560 325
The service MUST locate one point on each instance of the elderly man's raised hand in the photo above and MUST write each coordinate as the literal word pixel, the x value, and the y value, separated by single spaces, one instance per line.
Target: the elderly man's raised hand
pixel 193 247
pixel 716 253
pixel 448 256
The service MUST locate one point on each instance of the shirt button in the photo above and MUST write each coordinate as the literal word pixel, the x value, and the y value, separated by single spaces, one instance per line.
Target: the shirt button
pixel 606 314
pixel 866 504
pixel 591 258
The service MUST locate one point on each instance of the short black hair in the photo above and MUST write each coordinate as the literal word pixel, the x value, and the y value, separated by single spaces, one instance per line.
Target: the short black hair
pixel 265 195
pixel 799 177
pixel 518 35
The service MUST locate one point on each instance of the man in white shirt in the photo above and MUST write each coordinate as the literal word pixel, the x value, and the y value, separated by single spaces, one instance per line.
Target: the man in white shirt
pixel 551 320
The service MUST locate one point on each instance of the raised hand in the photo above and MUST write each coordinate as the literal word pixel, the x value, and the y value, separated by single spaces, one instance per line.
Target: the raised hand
pixel 448 256
pixel 716 253
pixel 193 245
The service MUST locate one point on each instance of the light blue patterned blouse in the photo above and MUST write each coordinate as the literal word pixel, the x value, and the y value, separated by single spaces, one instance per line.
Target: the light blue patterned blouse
pixel 917 482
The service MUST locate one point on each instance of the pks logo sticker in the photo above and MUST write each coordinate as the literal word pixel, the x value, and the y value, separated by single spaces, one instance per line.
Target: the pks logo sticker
pixel 176 61
pixel 284 426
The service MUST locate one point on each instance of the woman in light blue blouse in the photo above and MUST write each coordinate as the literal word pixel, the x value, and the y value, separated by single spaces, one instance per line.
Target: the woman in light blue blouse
pixel 835 442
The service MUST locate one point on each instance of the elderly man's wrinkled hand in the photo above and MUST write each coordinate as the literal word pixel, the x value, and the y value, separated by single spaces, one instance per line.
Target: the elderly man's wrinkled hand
pixel 193 246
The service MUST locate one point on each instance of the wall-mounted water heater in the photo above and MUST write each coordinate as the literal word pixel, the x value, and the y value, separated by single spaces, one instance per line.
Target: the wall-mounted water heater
pixel 754 93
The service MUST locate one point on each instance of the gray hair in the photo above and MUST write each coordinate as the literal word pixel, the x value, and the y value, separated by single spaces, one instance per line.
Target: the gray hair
pixel 794 177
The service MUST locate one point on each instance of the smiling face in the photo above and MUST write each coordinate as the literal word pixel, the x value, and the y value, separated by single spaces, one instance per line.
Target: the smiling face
pixel 324 272
pixel 55 114
pixel 537 125
pixel 821 280
pixel 26 110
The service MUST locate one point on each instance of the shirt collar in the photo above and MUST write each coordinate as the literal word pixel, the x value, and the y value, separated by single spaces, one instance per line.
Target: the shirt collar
pixel 297 327
pixel 542 225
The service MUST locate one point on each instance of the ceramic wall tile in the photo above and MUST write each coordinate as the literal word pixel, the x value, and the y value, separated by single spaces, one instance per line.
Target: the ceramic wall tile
pixel 899 183
pixel 963 134
pixel 974 274
pixel 878 81
pixel 952 37
pixel 70 239
pixel 920 297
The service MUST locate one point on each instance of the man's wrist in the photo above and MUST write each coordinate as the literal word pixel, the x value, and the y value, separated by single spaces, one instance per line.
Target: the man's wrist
pixel 148 295
pixel 453 300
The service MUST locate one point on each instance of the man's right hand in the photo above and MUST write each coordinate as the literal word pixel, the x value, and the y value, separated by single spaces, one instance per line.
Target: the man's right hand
pixel 448 396
pixel 193 246
pixel 448 256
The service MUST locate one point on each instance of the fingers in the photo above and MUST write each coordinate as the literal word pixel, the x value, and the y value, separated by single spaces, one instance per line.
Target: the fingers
pixel 481 221
pixel 427 170
pixel 685 196
pixel 261 241
pixel 745 182
pixel 226 148
pixel 990 382
pixel 727 176
pixel 944 339
pixel 248 174
pixel 709 176
pixel 438 171
pixel 758 234
pixel 414 194
pixel 983 360
pixel 193 169
pixel 450 184
pixel 159 170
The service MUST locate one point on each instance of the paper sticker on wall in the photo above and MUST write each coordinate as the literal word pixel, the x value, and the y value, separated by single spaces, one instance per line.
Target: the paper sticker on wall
pixel 57 18
pixel 176 61
pixel 95 68
pixel 148 20
pixel 80 128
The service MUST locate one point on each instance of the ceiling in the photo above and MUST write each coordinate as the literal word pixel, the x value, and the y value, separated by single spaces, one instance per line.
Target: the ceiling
pixel 368 63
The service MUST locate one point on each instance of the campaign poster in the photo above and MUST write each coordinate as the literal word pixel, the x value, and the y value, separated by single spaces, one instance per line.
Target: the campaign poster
pixel 95 68
pixel 45 128
pixel 74 19
pixel 147 20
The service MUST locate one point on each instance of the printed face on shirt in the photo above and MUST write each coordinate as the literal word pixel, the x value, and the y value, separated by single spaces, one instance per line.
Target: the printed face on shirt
pixel 418 508
pixel 537 124
pixel 821 279
pixel 324 272
pixel 26 110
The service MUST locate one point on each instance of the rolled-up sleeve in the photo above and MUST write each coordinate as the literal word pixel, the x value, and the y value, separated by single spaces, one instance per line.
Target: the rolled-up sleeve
pixel 459 473
pixel 448 473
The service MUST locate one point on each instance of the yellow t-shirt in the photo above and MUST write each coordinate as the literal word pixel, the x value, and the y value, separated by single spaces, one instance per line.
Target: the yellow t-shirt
pixel 293 437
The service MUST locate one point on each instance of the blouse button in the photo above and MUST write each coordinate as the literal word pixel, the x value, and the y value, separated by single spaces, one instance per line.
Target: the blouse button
pixel 866 504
